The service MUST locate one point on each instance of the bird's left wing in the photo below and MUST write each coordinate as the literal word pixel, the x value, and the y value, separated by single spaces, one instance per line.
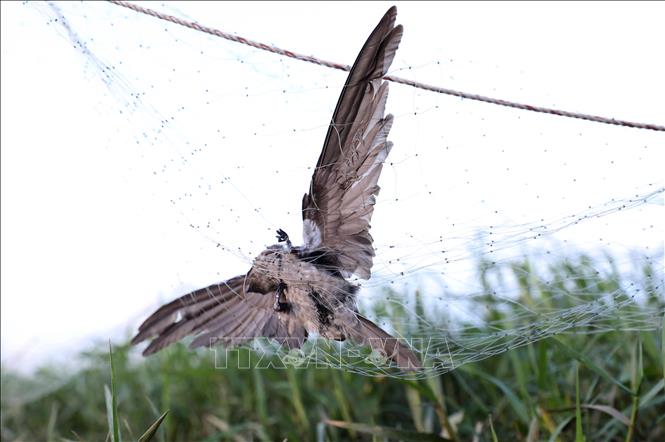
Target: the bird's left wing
pixel 221 313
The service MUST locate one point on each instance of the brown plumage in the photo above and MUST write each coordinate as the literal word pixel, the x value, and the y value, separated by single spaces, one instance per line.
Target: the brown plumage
pixel 290 291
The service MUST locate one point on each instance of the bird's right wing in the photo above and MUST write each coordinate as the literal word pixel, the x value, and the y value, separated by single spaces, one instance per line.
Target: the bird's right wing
pixel 220 313
pixel 339 205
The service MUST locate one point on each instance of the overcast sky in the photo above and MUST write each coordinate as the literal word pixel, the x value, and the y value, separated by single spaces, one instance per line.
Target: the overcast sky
pixel 114 147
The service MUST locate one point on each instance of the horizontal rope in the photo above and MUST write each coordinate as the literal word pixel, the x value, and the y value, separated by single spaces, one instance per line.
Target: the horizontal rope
pixel 343 67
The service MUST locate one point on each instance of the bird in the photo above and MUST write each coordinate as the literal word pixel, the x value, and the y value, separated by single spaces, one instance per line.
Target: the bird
pixel 291 292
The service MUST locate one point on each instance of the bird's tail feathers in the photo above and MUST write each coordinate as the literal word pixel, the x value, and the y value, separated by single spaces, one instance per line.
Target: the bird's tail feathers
pixel 369 333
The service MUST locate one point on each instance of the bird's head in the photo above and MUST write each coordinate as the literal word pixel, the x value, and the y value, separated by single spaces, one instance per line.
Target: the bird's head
pixel 263 276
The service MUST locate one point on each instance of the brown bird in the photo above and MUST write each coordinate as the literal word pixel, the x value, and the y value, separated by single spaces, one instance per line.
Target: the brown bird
pixel 292 291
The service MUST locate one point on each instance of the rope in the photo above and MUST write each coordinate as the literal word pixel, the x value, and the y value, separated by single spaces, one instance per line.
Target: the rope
pixel 343 67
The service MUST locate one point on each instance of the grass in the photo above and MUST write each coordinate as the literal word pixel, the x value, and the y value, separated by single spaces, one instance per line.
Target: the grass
pixel 576 386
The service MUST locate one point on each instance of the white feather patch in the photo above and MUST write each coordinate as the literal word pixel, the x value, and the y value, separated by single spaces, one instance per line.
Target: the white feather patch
pixel 311 234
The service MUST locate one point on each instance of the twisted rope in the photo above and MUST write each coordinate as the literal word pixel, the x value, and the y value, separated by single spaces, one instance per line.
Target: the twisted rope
pixel 343 67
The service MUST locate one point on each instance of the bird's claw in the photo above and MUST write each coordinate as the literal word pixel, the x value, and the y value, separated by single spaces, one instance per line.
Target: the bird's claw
pixel 278 305
pixel 282 236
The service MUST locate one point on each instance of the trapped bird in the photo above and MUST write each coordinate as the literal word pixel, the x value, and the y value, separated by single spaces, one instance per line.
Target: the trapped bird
pixel 292 291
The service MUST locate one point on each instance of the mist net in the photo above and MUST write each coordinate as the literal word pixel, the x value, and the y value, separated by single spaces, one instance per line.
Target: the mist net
pixel 494 227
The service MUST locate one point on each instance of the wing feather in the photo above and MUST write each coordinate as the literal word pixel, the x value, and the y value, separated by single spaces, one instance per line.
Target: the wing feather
pixel 219 313
pixel 338 208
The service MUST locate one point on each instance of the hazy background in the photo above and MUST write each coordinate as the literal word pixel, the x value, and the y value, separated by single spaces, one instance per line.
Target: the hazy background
pixel 141 159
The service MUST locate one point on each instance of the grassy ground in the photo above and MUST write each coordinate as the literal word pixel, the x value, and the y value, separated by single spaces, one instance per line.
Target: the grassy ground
pixel 607 386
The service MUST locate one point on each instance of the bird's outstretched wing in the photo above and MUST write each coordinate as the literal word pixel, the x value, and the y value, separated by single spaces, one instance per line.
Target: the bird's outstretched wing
pixel 220 313
pixel 338 208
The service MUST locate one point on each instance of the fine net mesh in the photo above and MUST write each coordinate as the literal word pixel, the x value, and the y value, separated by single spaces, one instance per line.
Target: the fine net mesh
pixel 494 227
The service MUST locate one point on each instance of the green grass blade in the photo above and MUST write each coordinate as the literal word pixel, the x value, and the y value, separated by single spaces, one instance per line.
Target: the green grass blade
pixel 166 362
pixel 321 432
pixel 152 429
pixel 579 434
pixel 468 390
pixel 542 367
pixel 611 411
pixel 589 364
pixel 415 405
pixel 638 369
pixel 111 405
pixel 494 438
pixel 519 367
pixel 534 431
pixel 386 432
pixel 564 423
pixel 109 409
pixel 296 398
pixel 422 388
pixel 344 407
pixel 52 420
pixel 519 408
pixel 430 391
pixel 260 397
pixel 646 398
pixel 637 375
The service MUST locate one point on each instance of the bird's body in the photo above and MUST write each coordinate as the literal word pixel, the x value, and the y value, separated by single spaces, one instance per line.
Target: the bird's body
pixel 290 291
pixel 313 292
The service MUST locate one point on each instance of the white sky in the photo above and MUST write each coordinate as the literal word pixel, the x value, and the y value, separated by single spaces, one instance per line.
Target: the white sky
pixel 91 241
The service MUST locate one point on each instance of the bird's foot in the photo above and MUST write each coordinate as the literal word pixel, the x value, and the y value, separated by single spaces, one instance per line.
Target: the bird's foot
pixel 278 305
pixel 282 236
